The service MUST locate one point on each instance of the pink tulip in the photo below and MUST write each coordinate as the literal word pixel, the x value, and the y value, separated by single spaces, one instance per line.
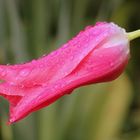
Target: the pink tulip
pixel 97 54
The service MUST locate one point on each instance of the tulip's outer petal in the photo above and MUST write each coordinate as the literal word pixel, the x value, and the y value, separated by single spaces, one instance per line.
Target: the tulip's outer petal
pixel 61 62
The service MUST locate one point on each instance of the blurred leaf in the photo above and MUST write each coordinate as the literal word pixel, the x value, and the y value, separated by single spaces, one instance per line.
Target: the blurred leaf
pixel 114 110
pixel 17 38
pixel 48 123
pixel 6 130
pixel 119 14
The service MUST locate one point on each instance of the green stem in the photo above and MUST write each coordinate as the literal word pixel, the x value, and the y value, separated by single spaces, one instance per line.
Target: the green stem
pixel 133 35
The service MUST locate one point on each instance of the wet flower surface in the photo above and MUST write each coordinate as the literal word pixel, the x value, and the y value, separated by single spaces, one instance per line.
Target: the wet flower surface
pixel 97 54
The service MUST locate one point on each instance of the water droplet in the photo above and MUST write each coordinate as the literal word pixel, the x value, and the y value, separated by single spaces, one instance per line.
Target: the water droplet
pixel 16 78
pixel 39 98
pixel 12 119
pixel 101 56
pixel 24 72
pixel 56 86
pixel 34 83
pixel 12 83
pixel 1 69
pixel 41 65
pixel 89 68
pixel 111 64
pixel 88 27
pixel 43 55
pixel 22 86
pixel 120 48
pixel 3 73
pixel 33 61
pixel 72 57
pixel 64 84
pixel 44 85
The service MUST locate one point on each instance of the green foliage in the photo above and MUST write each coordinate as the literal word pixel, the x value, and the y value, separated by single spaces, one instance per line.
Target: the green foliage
pixel 31 28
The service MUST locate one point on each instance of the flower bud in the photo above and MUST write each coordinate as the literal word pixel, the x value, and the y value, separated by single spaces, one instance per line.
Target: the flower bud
pixel 97 54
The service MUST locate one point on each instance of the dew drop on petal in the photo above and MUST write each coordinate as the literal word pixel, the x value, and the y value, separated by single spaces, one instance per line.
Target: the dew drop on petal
pixel 111 64
pixel 101 56
pixel 72 57
pixel 43 85
pixel 33 61
pixel 3 73
pixel 56 86
pixel 43 55
pixel 34 83
pixel 12 83
pixel 120 48
pixel 12 119
pixel 41 65
pixel 24 72
pixel 22 86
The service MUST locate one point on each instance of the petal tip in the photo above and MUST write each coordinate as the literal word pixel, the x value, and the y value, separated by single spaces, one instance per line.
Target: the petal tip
pixel 11 121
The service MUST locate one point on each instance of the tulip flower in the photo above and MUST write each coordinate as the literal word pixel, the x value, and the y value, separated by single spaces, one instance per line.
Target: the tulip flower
pixel 97 54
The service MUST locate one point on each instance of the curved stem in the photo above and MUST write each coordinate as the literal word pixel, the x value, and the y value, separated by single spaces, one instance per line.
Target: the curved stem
pixel 133 35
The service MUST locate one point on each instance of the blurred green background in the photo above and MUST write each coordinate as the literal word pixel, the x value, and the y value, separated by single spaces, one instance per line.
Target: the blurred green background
pixel 109 111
